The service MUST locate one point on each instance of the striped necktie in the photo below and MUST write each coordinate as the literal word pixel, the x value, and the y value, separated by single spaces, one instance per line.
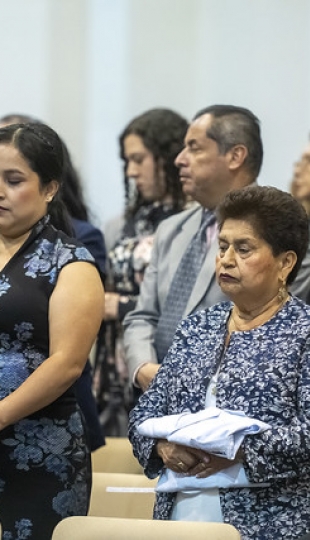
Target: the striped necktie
pixel 182 285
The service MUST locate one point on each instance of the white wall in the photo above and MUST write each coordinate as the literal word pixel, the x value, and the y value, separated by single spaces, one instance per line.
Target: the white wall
pixel 88 66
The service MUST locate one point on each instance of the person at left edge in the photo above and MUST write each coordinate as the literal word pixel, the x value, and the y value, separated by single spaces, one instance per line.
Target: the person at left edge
pixel 51 307
pixel 72 195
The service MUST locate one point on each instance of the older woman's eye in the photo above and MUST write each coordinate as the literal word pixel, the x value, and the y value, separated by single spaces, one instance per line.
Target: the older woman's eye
pixel 244 250
pixel 14 181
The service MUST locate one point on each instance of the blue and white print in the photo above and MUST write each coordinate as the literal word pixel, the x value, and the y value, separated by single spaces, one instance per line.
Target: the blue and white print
pixel 265 373
pixel 44 458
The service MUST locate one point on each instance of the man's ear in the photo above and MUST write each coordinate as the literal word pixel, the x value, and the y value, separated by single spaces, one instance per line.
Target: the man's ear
pixel 237 156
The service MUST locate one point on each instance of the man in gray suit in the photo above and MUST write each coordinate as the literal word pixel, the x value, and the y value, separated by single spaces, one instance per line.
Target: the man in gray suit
pixel 223 151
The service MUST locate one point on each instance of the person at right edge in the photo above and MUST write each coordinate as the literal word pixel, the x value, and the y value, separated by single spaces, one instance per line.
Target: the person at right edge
pixel 223 151
pixel 246 359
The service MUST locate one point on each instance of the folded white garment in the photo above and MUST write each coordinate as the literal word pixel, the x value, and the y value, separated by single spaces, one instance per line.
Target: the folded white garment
pixel 171 481
pixel 213 430
pixel 231 477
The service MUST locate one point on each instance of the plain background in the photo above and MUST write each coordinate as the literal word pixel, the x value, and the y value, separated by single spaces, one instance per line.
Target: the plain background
pixel 87 67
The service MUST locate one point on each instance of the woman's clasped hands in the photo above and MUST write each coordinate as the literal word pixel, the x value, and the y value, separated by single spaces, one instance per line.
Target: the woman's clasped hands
pixel 191 461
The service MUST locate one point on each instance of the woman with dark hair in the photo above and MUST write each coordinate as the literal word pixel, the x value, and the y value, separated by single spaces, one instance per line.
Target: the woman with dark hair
pixel 241 362
pixel 49 320
pixel 71 193
pixel 161 132
pixel 149 145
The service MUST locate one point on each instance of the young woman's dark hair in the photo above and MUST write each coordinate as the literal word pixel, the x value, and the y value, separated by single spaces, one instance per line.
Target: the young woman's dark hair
pixel 162 132
pixel 43 150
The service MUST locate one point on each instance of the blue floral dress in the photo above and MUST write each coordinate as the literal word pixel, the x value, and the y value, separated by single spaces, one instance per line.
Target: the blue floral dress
pixel 264 372
pixel 45 471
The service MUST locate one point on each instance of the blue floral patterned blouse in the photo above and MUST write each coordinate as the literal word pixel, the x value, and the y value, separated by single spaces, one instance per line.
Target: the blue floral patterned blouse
pixel 264 372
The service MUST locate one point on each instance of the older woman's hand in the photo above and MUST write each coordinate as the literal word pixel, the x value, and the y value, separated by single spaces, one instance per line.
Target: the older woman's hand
pixel 192 461
pixel 215 465
pixel 183 459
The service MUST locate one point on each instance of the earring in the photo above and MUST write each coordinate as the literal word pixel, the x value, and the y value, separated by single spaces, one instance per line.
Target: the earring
pixel 49 199
pixel 282 292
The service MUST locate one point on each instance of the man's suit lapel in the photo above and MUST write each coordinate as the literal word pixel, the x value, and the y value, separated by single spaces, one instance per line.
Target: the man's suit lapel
pixel 179 244
pixel 176 250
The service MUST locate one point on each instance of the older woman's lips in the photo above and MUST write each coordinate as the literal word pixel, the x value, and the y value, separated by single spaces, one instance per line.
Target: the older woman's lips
pixel 227 277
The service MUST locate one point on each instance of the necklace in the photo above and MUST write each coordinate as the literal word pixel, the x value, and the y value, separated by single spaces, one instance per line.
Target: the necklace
pixel 258 320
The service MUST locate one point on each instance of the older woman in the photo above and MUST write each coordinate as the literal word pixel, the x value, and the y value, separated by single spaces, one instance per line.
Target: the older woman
pixel 251 356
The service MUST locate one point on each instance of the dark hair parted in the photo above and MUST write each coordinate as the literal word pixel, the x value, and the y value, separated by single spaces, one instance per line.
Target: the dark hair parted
pixel 42 148
pixel 162 132
pixel 71 186
pixel 232 125
pixel 276 217
pixel 18 118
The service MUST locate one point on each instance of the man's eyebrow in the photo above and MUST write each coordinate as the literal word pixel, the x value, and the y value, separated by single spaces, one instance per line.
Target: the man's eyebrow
pixel 191 142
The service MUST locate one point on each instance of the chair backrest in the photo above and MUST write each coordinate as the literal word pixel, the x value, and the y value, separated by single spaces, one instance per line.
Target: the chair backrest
pixel 116 456
pixel 100 528
pixel 122 495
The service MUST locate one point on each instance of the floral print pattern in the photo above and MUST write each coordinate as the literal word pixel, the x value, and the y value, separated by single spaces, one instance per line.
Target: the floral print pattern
pixel 44 458
pixel 130 256
pixel 264 372
pixel 23 530
pixel 4 285
pixel 41 262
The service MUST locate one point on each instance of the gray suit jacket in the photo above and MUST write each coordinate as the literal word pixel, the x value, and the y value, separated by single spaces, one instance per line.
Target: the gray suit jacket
pixel 172 238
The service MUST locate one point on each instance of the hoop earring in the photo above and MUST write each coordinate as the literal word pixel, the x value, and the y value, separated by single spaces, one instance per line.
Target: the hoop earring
pixel 282 292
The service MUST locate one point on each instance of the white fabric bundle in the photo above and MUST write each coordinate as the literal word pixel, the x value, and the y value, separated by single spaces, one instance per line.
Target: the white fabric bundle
pixel 213 430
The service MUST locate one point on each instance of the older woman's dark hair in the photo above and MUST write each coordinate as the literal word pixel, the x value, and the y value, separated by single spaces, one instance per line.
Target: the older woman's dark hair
pixel 42 148
pixel 276 217
pixel 162 132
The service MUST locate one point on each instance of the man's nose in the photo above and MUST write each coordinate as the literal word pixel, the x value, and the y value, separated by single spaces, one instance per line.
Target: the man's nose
pixel 180 160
